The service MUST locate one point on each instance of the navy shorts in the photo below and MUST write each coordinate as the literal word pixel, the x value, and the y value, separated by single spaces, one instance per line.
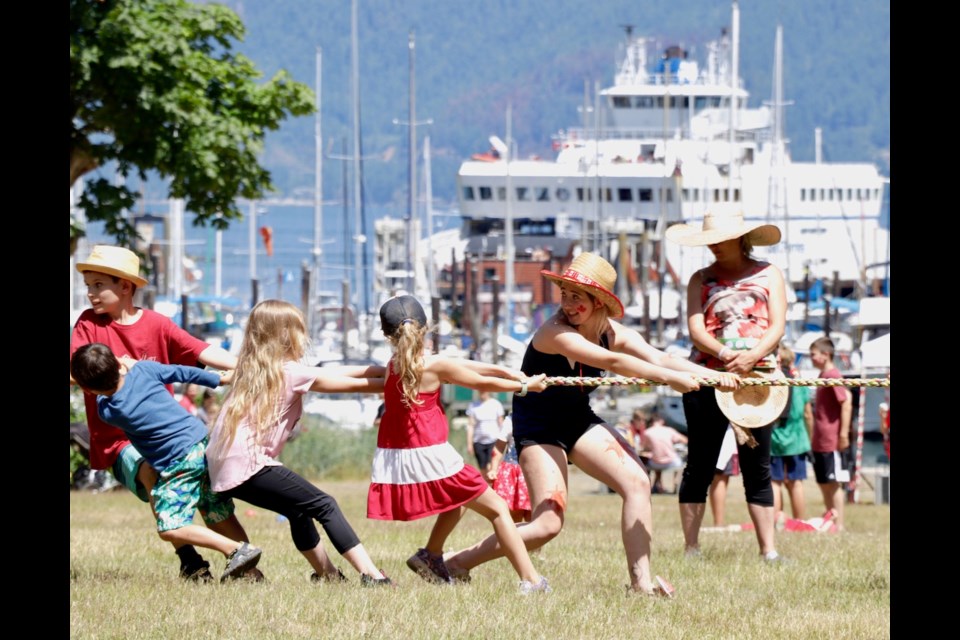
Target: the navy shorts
pixel 788 467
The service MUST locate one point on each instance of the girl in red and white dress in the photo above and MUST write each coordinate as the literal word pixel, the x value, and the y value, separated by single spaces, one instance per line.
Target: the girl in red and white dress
pixel 416 472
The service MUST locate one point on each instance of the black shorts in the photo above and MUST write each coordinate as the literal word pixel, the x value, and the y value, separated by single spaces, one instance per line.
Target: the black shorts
pixel 831 466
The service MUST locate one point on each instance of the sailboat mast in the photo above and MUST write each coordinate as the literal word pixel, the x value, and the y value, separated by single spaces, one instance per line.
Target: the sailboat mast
pixel 412 203
pixel 358 237
pixel 317 203
pixel 428 197
pixel 734 82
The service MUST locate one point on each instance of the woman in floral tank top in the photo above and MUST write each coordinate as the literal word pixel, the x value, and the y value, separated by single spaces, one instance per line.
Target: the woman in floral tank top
pixel 736 313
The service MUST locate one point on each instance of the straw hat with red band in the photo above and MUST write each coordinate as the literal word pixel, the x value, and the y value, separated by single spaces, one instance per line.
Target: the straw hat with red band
pixel 592 274
pixel 720 227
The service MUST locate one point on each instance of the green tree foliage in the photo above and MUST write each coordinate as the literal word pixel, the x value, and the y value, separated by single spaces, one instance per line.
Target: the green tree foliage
pixel 156 87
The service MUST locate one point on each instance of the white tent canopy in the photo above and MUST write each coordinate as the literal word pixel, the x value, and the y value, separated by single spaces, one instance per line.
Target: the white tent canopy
pixel 875 354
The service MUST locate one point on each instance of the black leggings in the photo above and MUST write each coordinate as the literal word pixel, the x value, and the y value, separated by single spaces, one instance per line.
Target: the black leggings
pixel 282 491
pixel 706 426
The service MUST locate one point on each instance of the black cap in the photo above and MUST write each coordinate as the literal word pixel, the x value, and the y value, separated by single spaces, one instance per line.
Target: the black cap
pixel 395 310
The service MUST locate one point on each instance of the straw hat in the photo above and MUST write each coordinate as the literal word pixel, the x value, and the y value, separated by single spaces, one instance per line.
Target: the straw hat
pixel 594 275
pixel 114 261
pixel 753 406
pixel 718 227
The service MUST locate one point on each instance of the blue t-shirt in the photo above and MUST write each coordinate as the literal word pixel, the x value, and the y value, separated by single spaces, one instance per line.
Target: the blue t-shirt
pixel 157 425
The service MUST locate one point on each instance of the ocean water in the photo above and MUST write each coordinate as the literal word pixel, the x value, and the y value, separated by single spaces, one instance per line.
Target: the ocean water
pixel 280 275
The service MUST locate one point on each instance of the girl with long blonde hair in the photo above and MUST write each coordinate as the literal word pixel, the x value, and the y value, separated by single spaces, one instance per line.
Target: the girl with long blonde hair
pixel 416 471
pixel 259 414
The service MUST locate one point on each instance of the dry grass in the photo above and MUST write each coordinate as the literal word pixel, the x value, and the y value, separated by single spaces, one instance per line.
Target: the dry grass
pixel 124 584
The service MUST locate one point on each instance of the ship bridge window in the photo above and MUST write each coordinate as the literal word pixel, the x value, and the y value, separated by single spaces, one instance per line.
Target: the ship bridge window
pixel 803 195
pixel 822 195
pixel 715 101
pixel 659 102
pixel 736 195
pixel 563 194
pixel 645 195
pixel 607 194
pixel 468 193
pixel 535 228
pixel 666 195
pixel 700 102
pixel 621 102
pixel 685 195
pixel 543 194
pixel 624 194
pixel 501 193
pixel 523 194
pixel 584 194
pixel 840 194
pixel 849 194
pixel 859 194
pixel 716 195
pixel 643 102
pixel 486 193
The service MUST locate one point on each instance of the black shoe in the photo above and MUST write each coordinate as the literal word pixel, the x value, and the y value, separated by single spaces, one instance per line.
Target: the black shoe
pixel 244 558
pixel 314 577
pixel 370 581
pixel 197 572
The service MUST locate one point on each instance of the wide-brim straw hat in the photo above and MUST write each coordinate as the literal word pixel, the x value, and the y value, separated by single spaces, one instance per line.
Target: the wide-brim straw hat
pixel 753 406
pixel 114 261
pixel 718 228
pixel 594 275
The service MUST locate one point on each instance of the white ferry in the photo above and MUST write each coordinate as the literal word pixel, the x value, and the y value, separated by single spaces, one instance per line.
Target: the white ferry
pixel 667 142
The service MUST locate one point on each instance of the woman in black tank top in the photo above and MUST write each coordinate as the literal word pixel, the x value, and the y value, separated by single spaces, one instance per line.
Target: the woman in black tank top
pixel 557 426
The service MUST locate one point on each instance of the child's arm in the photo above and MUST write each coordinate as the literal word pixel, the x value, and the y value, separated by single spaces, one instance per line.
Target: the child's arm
pixel 333 383
pixel 496 455
pixel 218 358
pixel 357 371
pixel 495 370
pixel 454 371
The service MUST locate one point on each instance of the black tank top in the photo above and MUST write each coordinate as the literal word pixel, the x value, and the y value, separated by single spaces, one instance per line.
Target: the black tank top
pixel 564 404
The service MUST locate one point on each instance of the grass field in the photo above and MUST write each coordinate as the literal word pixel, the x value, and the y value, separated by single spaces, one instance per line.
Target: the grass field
pixel 124 584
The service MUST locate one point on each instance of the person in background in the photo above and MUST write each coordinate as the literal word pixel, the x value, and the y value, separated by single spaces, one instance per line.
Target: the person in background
pixel 209 407
pixel 885 426
pixel 830 441
pixel 790 442
pixel 506 476
pixel 186 395
pixel 728 465
pixel 484 422
pixel 260 412
pixel 112 276
pixel 416 472
pixel 559 427
pixel 636 427
pixel 131 395
pixel 736 315
pixel 660 441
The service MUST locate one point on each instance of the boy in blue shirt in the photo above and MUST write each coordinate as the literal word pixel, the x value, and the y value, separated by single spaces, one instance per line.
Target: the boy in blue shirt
pixel 131 396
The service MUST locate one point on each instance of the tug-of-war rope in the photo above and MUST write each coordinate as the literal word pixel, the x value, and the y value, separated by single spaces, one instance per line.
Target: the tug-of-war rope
pixel 574 381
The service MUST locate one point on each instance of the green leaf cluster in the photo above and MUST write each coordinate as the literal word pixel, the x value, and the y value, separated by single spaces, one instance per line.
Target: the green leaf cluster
pixel 156 86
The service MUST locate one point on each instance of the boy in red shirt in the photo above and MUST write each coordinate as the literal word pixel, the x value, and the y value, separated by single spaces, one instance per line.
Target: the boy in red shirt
pixel 112 275
pixel 832 411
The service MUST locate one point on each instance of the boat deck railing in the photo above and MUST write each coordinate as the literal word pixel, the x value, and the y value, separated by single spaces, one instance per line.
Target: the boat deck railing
pixel 643 133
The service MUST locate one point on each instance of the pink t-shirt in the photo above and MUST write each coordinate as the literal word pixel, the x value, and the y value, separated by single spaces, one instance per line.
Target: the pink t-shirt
pixel 231 466
pixel 826 415
pixel 659 440
pixel 152 337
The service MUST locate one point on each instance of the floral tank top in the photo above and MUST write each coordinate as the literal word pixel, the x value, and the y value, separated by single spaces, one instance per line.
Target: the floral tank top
pixel 735 313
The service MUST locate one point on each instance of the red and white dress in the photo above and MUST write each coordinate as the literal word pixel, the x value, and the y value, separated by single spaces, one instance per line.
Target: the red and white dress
pixel 416 472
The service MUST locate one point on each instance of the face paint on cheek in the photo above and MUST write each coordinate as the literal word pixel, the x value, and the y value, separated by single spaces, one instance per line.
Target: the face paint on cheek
pixel 581 308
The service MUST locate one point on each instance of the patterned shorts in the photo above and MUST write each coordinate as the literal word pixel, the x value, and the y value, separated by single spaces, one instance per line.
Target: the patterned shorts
pixel 125 471
pixel 511 486
pixel 183 487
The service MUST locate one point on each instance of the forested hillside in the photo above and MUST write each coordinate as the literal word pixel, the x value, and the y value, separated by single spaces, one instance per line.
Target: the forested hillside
pixel 473 57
